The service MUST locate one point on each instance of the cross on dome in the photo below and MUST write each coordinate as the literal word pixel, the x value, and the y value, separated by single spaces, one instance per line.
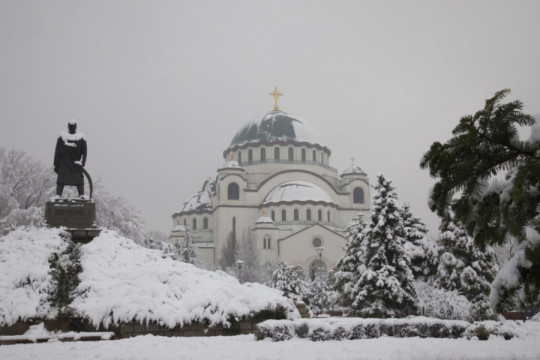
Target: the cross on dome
pixel 276 94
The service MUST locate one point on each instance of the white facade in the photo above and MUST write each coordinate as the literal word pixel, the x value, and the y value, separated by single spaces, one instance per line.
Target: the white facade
pixel 277 187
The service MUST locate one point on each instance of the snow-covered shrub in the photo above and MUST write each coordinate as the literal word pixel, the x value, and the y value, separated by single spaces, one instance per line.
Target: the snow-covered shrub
pixel 442 304
pixel 26 281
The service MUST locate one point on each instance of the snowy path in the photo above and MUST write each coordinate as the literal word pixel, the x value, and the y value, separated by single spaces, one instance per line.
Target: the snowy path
pixel 245 347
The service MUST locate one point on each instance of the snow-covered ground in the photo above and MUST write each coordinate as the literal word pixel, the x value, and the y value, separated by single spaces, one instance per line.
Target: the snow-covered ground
pixel 246 347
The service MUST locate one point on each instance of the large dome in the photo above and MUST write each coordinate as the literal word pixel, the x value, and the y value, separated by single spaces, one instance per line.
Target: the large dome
pixel 276 125
pixel 297 191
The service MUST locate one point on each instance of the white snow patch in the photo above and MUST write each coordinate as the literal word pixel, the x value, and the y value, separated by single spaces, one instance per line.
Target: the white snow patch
pixel 297 191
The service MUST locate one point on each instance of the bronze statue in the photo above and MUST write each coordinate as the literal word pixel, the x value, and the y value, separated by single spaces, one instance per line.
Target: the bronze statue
pixel 69 159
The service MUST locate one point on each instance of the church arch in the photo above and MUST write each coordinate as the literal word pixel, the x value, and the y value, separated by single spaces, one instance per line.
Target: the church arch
pixel 358 195
pixel 314 156
pixel 296 215
pixel 308 214
pixel 319 215
pixel 233 191
pixel 263 154
pixel 283 215
pixel 276 153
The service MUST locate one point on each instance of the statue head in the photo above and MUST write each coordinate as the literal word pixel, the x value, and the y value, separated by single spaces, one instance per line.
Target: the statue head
pixel 72 126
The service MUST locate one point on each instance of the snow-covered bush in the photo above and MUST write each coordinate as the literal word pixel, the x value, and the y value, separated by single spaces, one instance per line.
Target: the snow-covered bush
pixel 442 304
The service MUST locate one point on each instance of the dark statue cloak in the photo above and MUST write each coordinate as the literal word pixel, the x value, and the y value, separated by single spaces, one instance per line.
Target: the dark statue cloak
pixel 70 158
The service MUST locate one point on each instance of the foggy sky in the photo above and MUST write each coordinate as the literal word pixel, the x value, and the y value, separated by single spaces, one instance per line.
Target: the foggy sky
pixel 161 87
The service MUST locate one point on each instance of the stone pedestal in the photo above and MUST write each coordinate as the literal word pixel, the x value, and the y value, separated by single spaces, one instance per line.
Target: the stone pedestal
pixel 78 216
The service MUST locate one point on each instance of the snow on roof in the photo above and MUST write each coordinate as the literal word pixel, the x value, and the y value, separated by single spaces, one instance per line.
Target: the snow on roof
pixel 200 201
pixel 122 281
pixel 179 228
pixel 264 219
pixel 297 191
pixel 231 165
pixel 276 125
pixel 353 170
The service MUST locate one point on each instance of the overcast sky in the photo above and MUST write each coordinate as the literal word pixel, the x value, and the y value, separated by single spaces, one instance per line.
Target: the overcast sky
pixel 161 87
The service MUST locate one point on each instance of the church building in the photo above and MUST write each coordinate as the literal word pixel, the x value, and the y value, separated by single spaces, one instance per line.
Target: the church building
pixel 276 187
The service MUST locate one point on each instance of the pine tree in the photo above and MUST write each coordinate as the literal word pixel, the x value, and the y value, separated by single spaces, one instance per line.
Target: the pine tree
pixel 468 168
pixel 385 287
pixel 417 244
pixel 187 252
pixel 347 268
pixel 321 294
pixel 466 268
pixel 290 279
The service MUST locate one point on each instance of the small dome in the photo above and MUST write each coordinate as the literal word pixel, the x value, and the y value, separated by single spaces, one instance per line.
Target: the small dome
pixel 356 170
pixel 276 125
pixel 200 201
pixel 231 165
pixel 264 220
pixel 297 191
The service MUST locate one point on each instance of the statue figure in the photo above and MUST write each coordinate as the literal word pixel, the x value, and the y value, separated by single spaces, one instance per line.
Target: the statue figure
pixel 69 159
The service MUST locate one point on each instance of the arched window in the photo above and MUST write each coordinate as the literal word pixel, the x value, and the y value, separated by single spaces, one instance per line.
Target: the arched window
pixel 250 156
pixel 276 153
pixel 328 215
pixel 205 223
pixel 291 154
pixel 233 191
pixel 273 216
pixel 303 155
pixel 239 158
pixel 267 242
pixel 283 215
pixel 194 227
pixel 319 215
pixel 263 155
pixel 308 215
pixel 358 196
pixel 314 156
pixel 296 215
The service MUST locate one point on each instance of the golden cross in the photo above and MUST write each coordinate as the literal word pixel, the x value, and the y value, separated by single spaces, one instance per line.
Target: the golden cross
pixel 276 94
pixel 264 211
pixel 352 161
pixel 230 155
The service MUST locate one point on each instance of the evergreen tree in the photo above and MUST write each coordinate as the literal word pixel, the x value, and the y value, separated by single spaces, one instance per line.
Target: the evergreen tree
pixel 417 244
pixel 290 279
pixel 347 269
pixel 321 294
pixel 187 252
pixel 466 268
pixel 468 169
pixel 252 270
pixel 385 287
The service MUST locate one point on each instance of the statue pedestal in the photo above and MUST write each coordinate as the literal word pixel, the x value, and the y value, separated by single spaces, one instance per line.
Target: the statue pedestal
pixel 78 216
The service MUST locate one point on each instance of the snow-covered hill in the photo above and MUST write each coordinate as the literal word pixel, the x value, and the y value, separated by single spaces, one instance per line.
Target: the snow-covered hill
pixel 121 281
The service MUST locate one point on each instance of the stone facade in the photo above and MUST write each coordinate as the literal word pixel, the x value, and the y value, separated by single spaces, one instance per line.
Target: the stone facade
pixel 276 187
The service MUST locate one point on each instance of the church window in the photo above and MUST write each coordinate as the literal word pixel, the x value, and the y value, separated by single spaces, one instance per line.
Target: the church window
pixel 319 215
pixel 291 154
pixel 267 242
pixel 185 221
pixel 239 158
pixel 233 191
pixel 328 215
pixel 263 155
pixel 283 215
pixel 317 242
pixel 295 214
pixel 314 156
pixel 358 196
pixel 205 223
pixel 194 227
pixel 250 156
pixel 308 215
pixel 273 216
pixel 303 155
pixel 276 153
